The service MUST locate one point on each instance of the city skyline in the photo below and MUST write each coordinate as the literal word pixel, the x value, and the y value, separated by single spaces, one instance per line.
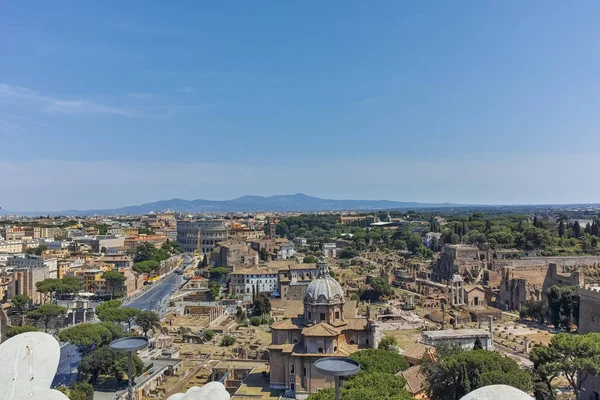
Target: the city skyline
pixel 466 103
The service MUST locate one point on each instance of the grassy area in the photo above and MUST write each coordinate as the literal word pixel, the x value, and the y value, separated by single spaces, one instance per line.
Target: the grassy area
pixel 404 338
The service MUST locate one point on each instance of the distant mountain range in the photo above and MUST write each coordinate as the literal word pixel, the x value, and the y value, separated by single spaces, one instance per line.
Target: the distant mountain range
pixel 297 202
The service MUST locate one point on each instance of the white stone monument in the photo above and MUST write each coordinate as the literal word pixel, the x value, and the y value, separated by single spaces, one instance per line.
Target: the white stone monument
pixel 29 362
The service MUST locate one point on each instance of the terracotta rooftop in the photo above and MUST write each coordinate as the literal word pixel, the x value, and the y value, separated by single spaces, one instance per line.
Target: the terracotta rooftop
pixel 415 379
pixel 288 323
pixel 321 329
pixel 417 351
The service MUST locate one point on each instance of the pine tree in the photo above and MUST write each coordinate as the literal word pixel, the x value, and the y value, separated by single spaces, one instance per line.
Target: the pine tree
pixel 561 229
pixel 576 229
pixel 535 221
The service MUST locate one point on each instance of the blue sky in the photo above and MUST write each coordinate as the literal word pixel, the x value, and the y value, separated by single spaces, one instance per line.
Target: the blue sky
pixel 111 104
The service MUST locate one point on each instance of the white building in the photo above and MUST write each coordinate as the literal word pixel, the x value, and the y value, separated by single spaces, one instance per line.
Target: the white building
pixel 286 251
pixel 30 261
pixel 261 279
pixel 430 237
pixel 329 250
pixel 464 337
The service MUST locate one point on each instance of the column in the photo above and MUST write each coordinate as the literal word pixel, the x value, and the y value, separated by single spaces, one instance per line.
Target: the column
pixel 462 293
pixel 452 291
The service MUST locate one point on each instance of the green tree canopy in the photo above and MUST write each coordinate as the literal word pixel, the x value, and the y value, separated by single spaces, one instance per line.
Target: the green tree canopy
pixel 218 272
pixel 20 303
pixel 145 267
pixel 576 357
pixel 105 305
pixel 17 330
pixel 81 391
pixel 457 372
pixel 378 360
pixel 214 289
pixel 227 340
pixel 114 280
pixel 46 313
pixel 262 304
pixel 386 342
pixel 89 336
pixel 147 321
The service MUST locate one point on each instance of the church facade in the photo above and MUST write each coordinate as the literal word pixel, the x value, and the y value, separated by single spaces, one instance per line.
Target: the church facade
pixel 324 329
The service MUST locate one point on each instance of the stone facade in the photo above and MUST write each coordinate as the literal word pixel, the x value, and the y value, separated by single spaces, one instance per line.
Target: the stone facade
pixel 234 256
pixel 530 282
pixel 589 321
pixel 322 329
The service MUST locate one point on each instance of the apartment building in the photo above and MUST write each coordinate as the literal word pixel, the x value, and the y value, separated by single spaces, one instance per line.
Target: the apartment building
pixel 11 246
pixel 132 242
pixel 253 280
pixel 30 261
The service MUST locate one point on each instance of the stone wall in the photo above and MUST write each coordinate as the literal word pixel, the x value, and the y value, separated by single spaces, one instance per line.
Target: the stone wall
pixel 589 321
pixel 520 284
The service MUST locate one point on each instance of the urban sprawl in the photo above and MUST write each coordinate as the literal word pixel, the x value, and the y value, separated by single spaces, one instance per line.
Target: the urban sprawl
pixel 446 304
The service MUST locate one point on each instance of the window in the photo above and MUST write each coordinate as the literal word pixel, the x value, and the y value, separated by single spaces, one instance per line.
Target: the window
pixel 337 315
pixel 322 316
pixel 304 372
pixel 309 315
pixel 292 369
pixel 320 350
pixel 293 387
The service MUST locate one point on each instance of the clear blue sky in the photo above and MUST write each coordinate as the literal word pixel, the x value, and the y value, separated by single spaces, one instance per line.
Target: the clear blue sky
pixel 118 103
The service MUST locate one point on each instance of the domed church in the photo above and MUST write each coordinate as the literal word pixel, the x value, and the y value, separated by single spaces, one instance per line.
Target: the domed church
pixel 327 327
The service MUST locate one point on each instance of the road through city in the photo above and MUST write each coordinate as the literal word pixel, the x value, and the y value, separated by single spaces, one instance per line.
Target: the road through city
pixel 155 298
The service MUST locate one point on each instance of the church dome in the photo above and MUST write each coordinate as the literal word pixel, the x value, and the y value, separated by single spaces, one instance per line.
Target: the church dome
pixel 324 289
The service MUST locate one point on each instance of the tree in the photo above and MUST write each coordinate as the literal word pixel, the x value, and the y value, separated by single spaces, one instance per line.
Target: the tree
pixel 376 379
pixel 348 252
pixel 37 250
pixel 576 229
pixel 386 342
pixel 145 267
pixel 214 289
pixel 130 315
pixel 147 320
pixel 103 361
pixel 378 360
pixel 379 288
pixel 114 280
pixel 208 335
pixel 20 302
pixel 457 372
pixel 114 315
pixel 81 391
pixel 89 336
pixel 310 259
pixel 105 305
pixel 262 304
pixel 227 341
pixel 46 313
pixel 49 287
pixel 478 345
pixel 218 272
pixel 17 330
pixel 563 305
pixel 263 254
pixel 576 357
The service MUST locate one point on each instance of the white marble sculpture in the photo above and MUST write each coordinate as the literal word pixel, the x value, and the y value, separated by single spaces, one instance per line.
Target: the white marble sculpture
pixel 29 362
pixel 210 391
